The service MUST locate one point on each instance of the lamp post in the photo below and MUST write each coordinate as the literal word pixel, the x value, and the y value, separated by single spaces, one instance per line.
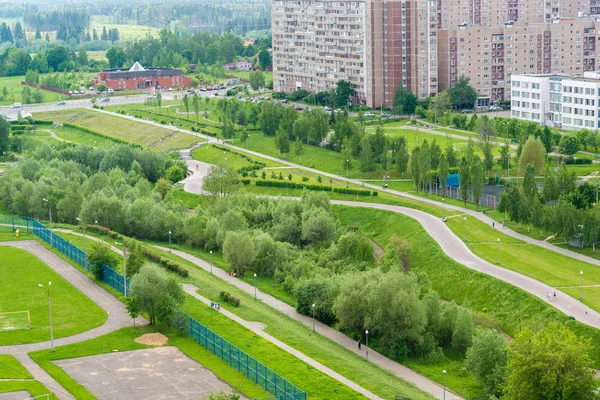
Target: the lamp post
pixel 581 285
pixel 255 286
pixel 444 372
pixel 49 315
pixel 84 244
pixel 347 168
pixel 465 226
pixel 367 345
pixel 211 262
pixel 49 212
pixel 313 315
pixel 169 241
pixel 498 251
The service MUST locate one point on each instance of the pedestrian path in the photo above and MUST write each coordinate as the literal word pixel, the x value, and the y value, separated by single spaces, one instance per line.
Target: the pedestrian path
pixel 257 328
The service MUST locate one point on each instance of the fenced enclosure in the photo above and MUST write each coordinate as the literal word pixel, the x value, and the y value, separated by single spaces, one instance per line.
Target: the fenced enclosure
pixel 240 360
pixel 10 224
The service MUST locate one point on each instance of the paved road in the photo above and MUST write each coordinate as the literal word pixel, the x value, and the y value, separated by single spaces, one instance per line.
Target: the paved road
pixel 193 182
pixel 257 328
pixel 116 319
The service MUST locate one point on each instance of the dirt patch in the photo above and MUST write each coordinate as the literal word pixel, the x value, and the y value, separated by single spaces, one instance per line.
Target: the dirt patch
pixel 379 253
pixel 152 339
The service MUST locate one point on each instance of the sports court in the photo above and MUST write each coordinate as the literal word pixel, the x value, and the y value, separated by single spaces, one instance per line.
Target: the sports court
pixel 159 373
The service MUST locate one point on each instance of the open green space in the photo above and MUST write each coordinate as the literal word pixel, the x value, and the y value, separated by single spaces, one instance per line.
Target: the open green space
pixel 75 135
pixel 72 312
pixel 246 75
pixel 126 31
pixel 34 388
pixel 13 87
pixel 123 340
pixel 60 116
pixel 10 368
pixel 235 159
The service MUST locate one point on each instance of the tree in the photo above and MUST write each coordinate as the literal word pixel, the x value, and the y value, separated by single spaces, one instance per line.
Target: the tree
pixel 4 133
pixel 547 139
pixel 299 149
pixel 367 163
pixel 156 293
pixel 464 173
pixel 424 163
pixel 552 363
pixel 477 176
pixel 550 186
pixel 504 160
pixel 100 253
pixel 464 328
pixel 402 157
pixel 196 104
pixel 486 359
pixel 257 80
pixel 485 141
pixel 264 59
pixel 343 91
pixel 318 228
pixel 221 180
pixel 104 35
pixel 405 102
pixel 238 250
pixel 186 104
pixel 450 154
pixel 56 57
pixel 533 153
pixel 439 105
pixel 116 57
pixel 319 291
pixel 415 171
pixel 529 186
pixel 269 118
pixel 400 248
pixel 443 172
pixel 569 145
pixel 82 57
pixel 159 102
pixel 463 95
pixel 283 142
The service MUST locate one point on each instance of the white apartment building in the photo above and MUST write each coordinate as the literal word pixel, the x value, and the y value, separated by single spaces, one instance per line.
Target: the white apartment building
pixel 558 100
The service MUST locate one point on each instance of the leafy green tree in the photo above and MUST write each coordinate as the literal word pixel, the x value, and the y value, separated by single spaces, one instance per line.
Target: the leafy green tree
pixel 269 118
pixel 415 171
pixel 319 291
pixel 100 253
pixel 299 149
pixel 195 104
pixel 439 105
pixel 463 95
pixel 463 331
pixel 552 363
pixel 547 139
pixel 534 153
pixel 402 157
pixel 504 160
pixel 82 57
pixel 566 180
pixel 257 80
pixel 156 294
pixel 318 228
pixel 425 163
pixel 221 180
pixel 569 145
pixel 529 185
pixel 405 102
pixel 485 141
pixel 159 102
pixel 477 177
pixel 238 250
pixel 116 57
pixel 486 359
pixel 450 153
pixel 464 173
pixel 264 59
pixel 367 163
pixel 283 142
pixel 343 91
pixel 443 172
pixel 401 249
pixel 4 132
pixel 186 104
pixel 550 186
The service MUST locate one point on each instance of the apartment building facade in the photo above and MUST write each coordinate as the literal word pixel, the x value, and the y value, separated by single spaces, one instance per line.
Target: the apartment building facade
pixel 558 100
pixel 490 56
pixel 376 45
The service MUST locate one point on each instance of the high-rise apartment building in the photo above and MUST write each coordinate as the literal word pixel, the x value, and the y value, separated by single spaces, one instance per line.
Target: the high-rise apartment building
pixel 376 45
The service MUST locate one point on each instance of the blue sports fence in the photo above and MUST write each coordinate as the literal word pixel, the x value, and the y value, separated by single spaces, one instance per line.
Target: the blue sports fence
pixel 256 371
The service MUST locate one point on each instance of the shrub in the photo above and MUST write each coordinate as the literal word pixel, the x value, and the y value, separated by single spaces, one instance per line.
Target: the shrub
pixel 229 299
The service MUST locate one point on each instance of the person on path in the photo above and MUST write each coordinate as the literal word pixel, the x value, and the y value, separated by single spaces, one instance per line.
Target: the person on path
pixel 359 344
pixel 493 225
pixel 554 296
pixel 212 304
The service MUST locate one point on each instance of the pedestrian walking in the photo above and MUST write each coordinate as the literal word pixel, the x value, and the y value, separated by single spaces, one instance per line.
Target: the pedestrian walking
pixel 493 225
pixel 212 304
pixel 359 344
pixel 554 296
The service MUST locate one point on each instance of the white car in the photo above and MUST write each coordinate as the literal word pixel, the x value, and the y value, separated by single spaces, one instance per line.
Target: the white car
pixel 369 114
pixel 110 90
pixel 16 105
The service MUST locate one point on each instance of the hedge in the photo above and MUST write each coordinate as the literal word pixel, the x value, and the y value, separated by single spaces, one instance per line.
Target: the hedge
pixel 43 122
pixel 294 185
pixel 228 298
pixel 103 135
pixel 571 160
pixel 256 164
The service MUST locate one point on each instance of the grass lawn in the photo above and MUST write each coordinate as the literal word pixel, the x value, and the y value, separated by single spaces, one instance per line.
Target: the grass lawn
pixel 34 388
pixel 126 31
pixel 59 117
pixel 494 302
pixel 14 88
pixel 72 312
pixel 97 55
pixel 233 158
pixel 10 368
pixel 123 340
pixel 78 136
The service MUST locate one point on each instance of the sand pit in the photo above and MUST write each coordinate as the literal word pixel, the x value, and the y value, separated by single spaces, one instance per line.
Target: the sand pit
pixel 152 339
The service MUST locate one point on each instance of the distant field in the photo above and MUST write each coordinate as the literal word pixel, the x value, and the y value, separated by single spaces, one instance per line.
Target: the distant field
pixel 97 55
pixel 126 31
pixel 246 75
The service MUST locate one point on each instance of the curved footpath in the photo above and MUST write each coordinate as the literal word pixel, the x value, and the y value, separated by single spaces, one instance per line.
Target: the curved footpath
pixel 117 317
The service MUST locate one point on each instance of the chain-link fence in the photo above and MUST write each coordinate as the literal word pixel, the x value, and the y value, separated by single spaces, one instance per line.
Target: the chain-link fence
pixel 10 224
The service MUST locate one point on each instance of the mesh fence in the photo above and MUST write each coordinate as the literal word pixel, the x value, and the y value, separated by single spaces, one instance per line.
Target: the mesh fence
pixel 240 360
pixel 10 224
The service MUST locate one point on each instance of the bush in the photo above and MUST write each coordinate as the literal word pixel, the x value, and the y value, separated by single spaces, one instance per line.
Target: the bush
pixel 577 161
pixel 229 299
pixel 295 185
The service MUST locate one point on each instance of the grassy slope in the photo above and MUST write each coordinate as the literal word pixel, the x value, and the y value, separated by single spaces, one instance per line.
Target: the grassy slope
pixel 10 368
pixel 72 311
pixel 34 388
pixel 497 303
pixel 14 87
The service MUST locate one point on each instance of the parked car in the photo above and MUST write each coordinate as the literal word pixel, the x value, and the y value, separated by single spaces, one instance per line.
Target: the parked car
pixel 299 108
pixel 327 108
pixel 369 114
pixel 466 111
pixel 110 90
pixel 61 103
pixel 75 92
pixel 16 105
pixel 386 115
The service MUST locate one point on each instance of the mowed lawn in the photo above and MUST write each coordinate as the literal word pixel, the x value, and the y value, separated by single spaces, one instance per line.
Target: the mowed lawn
pixel 234 158
pixel 14 88
pixel 72 312
pixel 10 368
pixel 78 136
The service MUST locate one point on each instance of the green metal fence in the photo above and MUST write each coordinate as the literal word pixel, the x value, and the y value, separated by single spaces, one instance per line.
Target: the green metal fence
pixel 240 360
pixel 9 224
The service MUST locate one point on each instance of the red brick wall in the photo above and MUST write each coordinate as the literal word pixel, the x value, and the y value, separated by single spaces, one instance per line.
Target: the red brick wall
pixel 146 82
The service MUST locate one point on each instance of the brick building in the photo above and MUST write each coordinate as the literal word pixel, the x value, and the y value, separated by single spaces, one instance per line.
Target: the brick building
pixel 137 77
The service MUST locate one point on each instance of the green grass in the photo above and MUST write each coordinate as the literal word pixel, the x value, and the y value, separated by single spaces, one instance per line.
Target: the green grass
pixel 97 55
pixel 233 158
pixel 14 87
pixel 34 388
pixel 78 136
pixel 10 368
pixel 494 302
pixel 126 31
pixel 60 116
pixel 123 340
pixel 246 75
pixel 72 312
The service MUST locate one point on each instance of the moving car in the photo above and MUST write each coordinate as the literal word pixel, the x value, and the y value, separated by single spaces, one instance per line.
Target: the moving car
pixel 61 103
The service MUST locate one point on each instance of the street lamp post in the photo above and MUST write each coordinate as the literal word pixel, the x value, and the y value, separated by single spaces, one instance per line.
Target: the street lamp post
pixel 498 251
pixel 465 226
pixel 169 241
pixel 255 286
pixel 84 244
pixel 347 167
pixel 50 212
pixel 211 262
pixel 444 372
pixel 313 315
pixel 49 315
pixel 581 285
pixel 367 345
